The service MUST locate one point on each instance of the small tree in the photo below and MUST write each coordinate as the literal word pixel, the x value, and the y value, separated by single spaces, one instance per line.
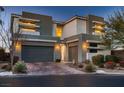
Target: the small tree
pixel 115 30
pixel 5 35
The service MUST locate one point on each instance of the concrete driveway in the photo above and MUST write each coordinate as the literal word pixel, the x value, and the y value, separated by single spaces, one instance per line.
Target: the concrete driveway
pixel 44 68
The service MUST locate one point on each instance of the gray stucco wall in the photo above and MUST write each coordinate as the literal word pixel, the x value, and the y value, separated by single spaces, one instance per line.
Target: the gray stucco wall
pixel 46 23
pixel 90 24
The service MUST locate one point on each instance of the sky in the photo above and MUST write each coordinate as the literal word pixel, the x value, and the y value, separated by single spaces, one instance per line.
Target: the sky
pixel 62 13
pixel 59 13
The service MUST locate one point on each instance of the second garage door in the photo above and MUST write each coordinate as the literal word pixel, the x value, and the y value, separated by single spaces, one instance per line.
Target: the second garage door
pixel 37 53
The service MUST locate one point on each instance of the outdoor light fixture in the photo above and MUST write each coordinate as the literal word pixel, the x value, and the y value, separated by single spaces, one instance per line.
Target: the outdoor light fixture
pixel 85 45
pixel 18 46
pixel 57 47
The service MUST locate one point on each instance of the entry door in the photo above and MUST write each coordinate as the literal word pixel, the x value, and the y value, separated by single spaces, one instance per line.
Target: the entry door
pixel 73 53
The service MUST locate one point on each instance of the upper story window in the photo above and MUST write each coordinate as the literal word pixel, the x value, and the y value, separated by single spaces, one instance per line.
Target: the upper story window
pixel 98 28
pixel 29 24
pixel 93 44
pixel 28 30
pixel 58 31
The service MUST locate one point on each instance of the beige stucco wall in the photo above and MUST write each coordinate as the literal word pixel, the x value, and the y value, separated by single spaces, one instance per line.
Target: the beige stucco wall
pixel 69 29
pixel 74 27
pixel 81 26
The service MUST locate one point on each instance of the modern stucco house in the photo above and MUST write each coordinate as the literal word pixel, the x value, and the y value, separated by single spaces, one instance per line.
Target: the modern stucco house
pixel 42 39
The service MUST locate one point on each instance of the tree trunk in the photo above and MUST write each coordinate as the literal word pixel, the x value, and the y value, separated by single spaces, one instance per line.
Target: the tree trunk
pixel 12 55
pixel 11 59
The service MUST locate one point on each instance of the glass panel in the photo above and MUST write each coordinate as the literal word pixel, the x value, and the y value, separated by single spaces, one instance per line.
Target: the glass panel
pixel 59 31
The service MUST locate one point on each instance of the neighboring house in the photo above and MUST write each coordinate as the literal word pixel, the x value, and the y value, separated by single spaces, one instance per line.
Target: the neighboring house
pixel 44 40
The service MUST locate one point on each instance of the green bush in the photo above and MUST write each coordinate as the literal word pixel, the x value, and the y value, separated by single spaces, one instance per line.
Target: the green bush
pixel 111 58
pixel 98 59
pixel 19 67
pixel 90 68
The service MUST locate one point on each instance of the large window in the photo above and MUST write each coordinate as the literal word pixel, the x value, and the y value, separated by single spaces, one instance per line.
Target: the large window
pixel 59 31
pixel 98 28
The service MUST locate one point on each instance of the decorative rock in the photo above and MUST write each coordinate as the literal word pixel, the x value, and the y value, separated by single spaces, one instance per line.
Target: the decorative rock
pixel 100 72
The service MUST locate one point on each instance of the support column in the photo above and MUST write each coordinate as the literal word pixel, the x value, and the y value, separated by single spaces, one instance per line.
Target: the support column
pixel 57 52
pixel 18 48
pixel 84 50
pixel 80 50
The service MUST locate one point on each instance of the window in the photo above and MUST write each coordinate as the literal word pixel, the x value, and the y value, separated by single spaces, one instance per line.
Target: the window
pixel 93 44
pixel 59 31
pixel 28 30
pixel 93 51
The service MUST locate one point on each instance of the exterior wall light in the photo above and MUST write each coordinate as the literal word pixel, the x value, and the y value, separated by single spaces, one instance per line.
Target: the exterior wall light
pixel 85 45
pixel 57 47
pixel 18 46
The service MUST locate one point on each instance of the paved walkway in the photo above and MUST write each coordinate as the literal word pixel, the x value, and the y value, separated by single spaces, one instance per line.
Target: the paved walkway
pixel 51 69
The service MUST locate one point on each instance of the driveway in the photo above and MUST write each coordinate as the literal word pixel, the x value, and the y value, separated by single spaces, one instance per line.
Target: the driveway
pixel 50 68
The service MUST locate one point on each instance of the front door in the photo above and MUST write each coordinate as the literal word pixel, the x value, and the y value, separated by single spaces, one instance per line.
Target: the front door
pixel 73 53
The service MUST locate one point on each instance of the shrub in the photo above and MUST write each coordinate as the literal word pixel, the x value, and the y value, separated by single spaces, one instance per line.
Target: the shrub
pixel 101 65
pixel 111 58
pixel 109 65
pixel 19 67
pixel 98 59
pixel 6 67
pixel 90 68
pixel 2 53
pixel 58 60
pixel 15 59
pixel 121 63
pixel 80 65
pixel 87 61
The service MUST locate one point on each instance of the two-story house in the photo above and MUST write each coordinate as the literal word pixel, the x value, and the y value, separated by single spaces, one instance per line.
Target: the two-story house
pixel 41 39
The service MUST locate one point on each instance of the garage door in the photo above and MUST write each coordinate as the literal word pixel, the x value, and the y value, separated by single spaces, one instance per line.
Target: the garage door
pixel 37 53
pixel 73 53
